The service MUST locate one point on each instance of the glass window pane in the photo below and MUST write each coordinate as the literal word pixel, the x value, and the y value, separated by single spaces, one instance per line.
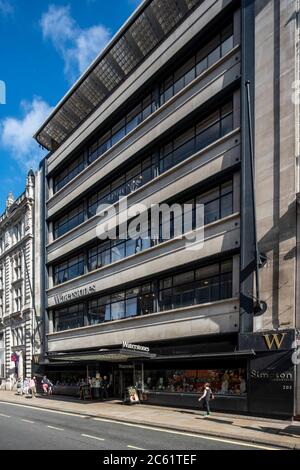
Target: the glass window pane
pixel 207 122
pixel 208 196
pixel 211 212
pixel 226 205
pixel 131 307
pixel 227 45
pixel 226 187
pixel 214 56
pixel 165 299
pixel 118 252
pixel 207 137
pixel 227 124
pixel 226 286
pixel 117 310
pixel 183 278
pixel 201 66
pixel 227 32
pixel 226 266
pixel 207 271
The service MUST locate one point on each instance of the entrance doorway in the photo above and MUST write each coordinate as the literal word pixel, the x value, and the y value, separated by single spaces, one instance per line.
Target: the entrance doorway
pixel 126 380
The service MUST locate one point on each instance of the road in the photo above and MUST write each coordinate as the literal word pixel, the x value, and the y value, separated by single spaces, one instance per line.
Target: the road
pixel 24 427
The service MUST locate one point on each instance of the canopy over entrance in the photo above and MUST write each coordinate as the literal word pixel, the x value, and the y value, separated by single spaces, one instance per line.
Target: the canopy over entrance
pixel 103 355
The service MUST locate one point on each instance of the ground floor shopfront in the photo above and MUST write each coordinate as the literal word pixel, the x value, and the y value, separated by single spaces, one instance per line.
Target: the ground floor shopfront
pixel 251 373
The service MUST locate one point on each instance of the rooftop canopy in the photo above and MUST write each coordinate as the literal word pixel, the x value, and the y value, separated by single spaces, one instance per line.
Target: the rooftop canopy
pixel 145 29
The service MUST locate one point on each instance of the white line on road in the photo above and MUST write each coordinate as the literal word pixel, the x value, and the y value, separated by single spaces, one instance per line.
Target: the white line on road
pixel 93 437
pixel 39 408
pixel 57 429
pixel 137 448
pixel 27 421
pixel 4 416
pixel 198 436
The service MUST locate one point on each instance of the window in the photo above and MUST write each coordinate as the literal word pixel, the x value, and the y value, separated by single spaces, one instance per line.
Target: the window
pixel 69 318
pixel 69 221
pixel 207 284
pixel 135 177
pixel 218 202
pixel 1 278
pixel 222 381
pixel 69 173
pixel 18 299
pixel 18 267
pixel 69 269
pixel 198 137
pixel 18 232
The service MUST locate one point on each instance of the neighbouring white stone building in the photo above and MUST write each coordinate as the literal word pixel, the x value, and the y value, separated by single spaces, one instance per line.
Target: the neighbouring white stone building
pixel 18 327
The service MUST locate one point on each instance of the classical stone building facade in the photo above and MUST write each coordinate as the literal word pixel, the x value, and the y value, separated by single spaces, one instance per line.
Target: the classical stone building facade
pixel 17 314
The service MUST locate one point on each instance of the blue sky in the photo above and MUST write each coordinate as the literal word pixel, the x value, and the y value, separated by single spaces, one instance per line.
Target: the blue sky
pixel 44 47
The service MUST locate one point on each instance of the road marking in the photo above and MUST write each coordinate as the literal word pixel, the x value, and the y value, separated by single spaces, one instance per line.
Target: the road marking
pixel 27 421
pixel 198 436
pixel 4 416
pixel 137 448
pixel 53 427
pixel 39 408
pixel 93 437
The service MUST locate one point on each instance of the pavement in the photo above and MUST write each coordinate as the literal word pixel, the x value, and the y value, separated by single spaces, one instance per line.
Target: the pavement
pixel 268 432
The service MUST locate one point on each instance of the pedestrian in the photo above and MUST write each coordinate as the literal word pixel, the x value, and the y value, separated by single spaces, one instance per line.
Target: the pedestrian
pixel 32 385
pixel 26 386
pixel 20 386
pixel 104 384
pixel 47 386
pixel 205 399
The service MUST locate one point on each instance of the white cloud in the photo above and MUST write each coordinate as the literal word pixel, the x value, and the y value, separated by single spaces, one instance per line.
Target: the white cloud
pixel 78 47
pixel 16 134
pixel 6 7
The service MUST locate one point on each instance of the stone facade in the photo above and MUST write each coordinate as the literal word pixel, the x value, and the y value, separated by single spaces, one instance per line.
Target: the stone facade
pixel 17 314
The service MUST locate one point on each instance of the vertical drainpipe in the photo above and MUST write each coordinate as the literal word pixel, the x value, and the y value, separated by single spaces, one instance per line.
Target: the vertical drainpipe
pixel 247 260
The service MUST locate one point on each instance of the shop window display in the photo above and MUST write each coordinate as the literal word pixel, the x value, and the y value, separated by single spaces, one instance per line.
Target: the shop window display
pixel 223 381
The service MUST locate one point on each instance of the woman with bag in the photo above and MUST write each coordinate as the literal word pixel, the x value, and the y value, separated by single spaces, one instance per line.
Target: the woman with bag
pixel 206 397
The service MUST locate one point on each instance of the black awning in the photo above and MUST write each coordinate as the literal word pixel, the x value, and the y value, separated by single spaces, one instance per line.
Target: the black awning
pixel 224 355
pixel 104 355
pixel 123 355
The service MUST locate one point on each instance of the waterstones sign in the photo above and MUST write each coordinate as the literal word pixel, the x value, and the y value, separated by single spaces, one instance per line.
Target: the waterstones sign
pixel 75 294
pixel 135 347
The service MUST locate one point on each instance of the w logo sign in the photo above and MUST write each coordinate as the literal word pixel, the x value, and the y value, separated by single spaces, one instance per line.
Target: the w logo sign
pixel 2 92
pixel 274 339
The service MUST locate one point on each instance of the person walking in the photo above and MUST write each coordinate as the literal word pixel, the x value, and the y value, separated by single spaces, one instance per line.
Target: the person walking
pixel 32 385
pixel 104 384
pixel 20 386
pixel 26 386
pixel 205 399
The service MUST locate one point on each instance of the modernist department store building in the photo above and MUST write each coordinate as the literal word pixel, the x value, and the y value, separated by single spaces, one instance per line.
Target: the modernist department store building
pixel 161 116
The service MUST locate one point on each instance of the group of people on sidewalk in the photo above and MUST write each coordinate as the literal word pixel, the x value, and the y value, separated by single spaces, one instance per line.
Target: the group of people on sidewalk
pixel 28 386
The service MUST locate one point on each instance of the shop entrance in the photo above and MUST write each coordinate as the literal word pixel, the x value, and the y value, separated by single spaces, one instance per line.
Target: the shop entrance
pixel 126 379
